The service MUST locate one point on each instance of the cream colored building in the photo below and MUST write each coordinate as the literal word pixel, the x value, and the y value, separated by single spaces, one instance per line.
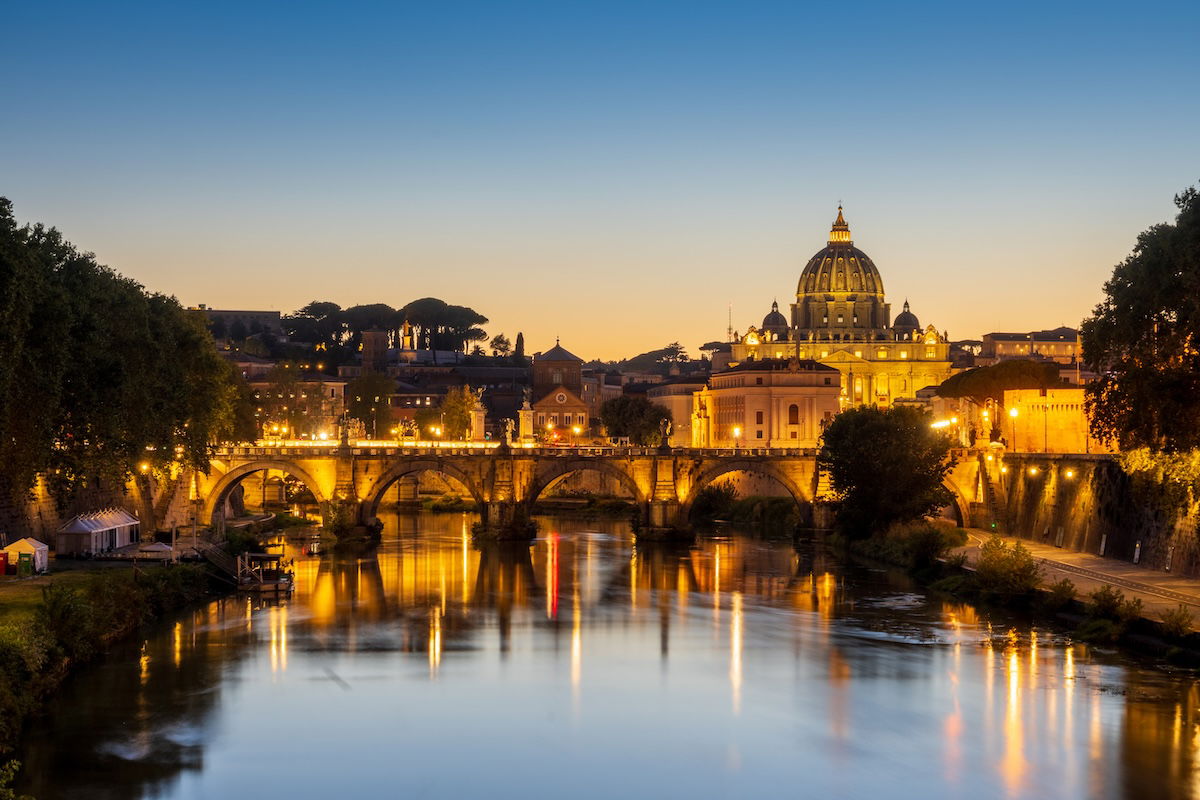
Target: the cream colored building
pixel 1059 344
pixel 842 320
pixel 766 403
pixel 676 397
pixel 1048 421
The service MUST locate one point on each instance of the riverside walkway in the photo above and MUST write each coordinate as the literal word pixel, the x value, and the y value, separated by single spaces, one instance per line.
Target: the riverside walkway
pixel 1159 591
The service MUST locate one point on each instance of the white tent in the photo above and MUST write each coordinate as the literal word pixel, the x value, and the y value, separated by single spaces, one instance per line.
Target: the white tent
pixel 97 532
pixel 41 553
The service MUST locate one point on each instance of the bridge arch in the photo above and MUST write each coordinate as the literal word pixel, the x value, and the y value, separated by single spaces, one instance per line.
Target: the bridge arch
pixel 709 475
pixel 235 475
pixel 547 475
pixel 959 504
pixel 374 495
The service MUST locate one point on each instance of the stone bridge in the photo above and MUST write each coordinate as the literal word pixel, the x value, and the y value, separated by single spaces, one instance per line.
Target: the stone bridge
pixel 663 483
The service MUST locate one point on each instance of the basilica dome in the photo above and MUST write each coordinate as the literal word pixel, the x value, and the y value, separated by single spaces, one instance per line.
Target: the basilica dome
pixel 840 267
pixel 906 321
pixel 775 322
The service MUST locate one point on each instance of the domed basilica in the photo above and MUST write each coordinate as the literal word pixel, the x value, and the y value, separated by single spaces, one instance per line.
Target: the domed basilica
pixel 842 319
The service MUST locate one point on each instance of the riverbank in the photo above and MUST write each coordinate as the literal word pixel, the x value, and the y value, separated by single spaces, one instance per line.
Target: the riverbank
pixel 51 625
pixel 1094 600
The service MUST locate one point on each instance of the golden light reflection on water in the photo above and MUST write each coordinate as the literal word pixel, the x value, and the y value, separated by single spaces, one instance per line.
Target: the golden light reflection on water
pixel 761 620
pixel 735 652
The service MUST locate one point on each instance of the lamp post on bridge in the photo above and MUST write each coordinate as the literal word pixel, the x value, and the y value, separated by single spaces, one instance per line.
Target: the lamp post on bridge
pixel 1012 413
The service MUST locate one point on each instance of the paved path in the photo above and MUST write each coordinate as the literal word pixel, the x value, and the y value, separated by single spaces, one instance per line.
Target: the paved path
pixel 1159 591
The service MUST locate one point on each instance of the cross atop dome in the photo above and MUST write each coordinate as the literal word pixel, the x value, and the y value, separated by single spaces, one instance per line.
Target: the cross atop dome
pixel 840 232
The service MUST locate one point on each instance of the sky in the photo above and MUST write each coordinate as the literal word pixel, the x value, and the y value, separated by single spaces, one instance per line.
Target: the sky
pixel 615 174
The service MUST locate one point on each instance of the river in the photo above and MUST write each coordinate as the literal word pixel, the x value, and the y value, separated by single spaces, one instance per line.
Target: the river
pixel 593 666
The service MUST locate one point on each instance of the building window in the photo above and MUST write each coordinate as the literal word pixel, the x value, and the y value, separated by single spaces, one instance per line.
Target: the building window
pixel 825 319
pixel 758 434
pixel 758 418
pixel 794 413
pixel 903 354
pixel 929 352
pixel 758 381
pixel 556 376
pixel 828 381
pixel 795 435
pixel 841 319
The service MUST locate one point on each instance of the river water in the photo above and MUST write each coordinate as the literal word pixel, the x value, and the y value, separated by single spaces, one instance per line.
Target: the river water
pixel 591 666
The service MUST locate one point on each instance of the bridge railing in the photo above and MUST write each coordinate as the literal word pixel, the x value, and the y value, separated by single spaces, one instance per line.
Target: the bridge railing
pixel 443 449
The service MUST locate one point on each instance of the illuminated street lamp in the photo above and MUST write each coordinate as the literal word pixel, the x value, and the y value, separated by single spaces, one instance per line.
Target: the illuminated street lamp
pixel 737 437
pixel 1012 413
pixel 576 431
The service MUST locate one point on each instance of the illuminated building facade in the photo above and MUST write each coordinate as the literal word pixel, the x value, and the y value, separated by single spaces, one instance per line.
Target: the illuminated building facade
pixel 1059 344
pixel 558 388
pixel 841 319
pixel 766 403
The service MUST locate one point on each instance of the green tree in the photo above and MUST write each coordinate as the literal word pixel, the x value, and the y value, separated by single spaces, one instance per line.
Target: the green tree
pixel 1144 340
pixel 319 322
pixel 120 378
pixel 886 466
pixel 635 417
pixel 500 345
pixel 369 400
pixel 456 410
pixel 519 349
pixel 989 383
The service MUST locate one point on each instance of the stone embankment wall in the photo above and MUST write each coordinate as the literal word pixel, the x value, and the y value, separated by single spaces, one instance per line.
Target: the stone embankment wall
pixel 42 514
pixel 1088 503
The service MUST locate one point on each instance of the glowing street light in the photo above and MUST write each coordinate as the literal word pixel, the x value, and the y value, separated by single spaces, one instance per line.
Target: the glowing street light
pixel 737 437
pixel 1012 413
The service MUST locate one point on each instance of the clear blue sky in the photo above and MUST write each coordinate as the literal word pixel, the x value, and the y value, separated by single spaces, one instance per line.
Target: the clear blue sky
pixel 614 173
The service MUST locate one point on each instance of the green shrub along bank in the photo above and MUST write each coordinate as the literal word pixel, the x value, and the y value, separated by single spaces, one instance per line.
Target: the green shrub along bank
pixel 720 501
pixel 73 624
pixel 587 506
pixel 449 503
pixel 1008 575
pixel 915 546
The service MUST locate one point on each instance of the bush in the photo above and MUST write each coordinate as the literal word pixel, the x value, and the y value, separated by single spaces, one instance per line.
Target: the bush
pixel 1109 603
pixel 715 500
pixel 8 771
pixel 69 620
pixel 1177 623
pixel 1004 572
pixel 913 545
pixel 1061 594
pixel 1098 631
pixel 240 540
pixel 1106 602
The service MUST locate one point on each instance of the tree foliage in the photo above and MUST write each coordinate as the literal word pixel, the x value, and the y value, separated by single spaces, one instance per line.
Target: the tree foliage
pixel 368 398
pixel 98 376
pixel 456 411
pixel 635 417
pixel 500 345
pixel 984 383
pixel 886 466
pixel 1144 340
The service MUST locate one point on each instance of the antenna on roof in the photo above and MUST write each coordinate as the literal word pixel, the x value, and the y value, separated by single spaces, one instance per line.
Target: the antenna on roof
pixel 729 330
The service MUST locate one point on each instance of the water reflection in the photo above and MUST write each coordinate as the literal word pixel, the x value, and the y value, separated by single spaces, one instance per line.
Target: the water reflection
pixel 726 667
